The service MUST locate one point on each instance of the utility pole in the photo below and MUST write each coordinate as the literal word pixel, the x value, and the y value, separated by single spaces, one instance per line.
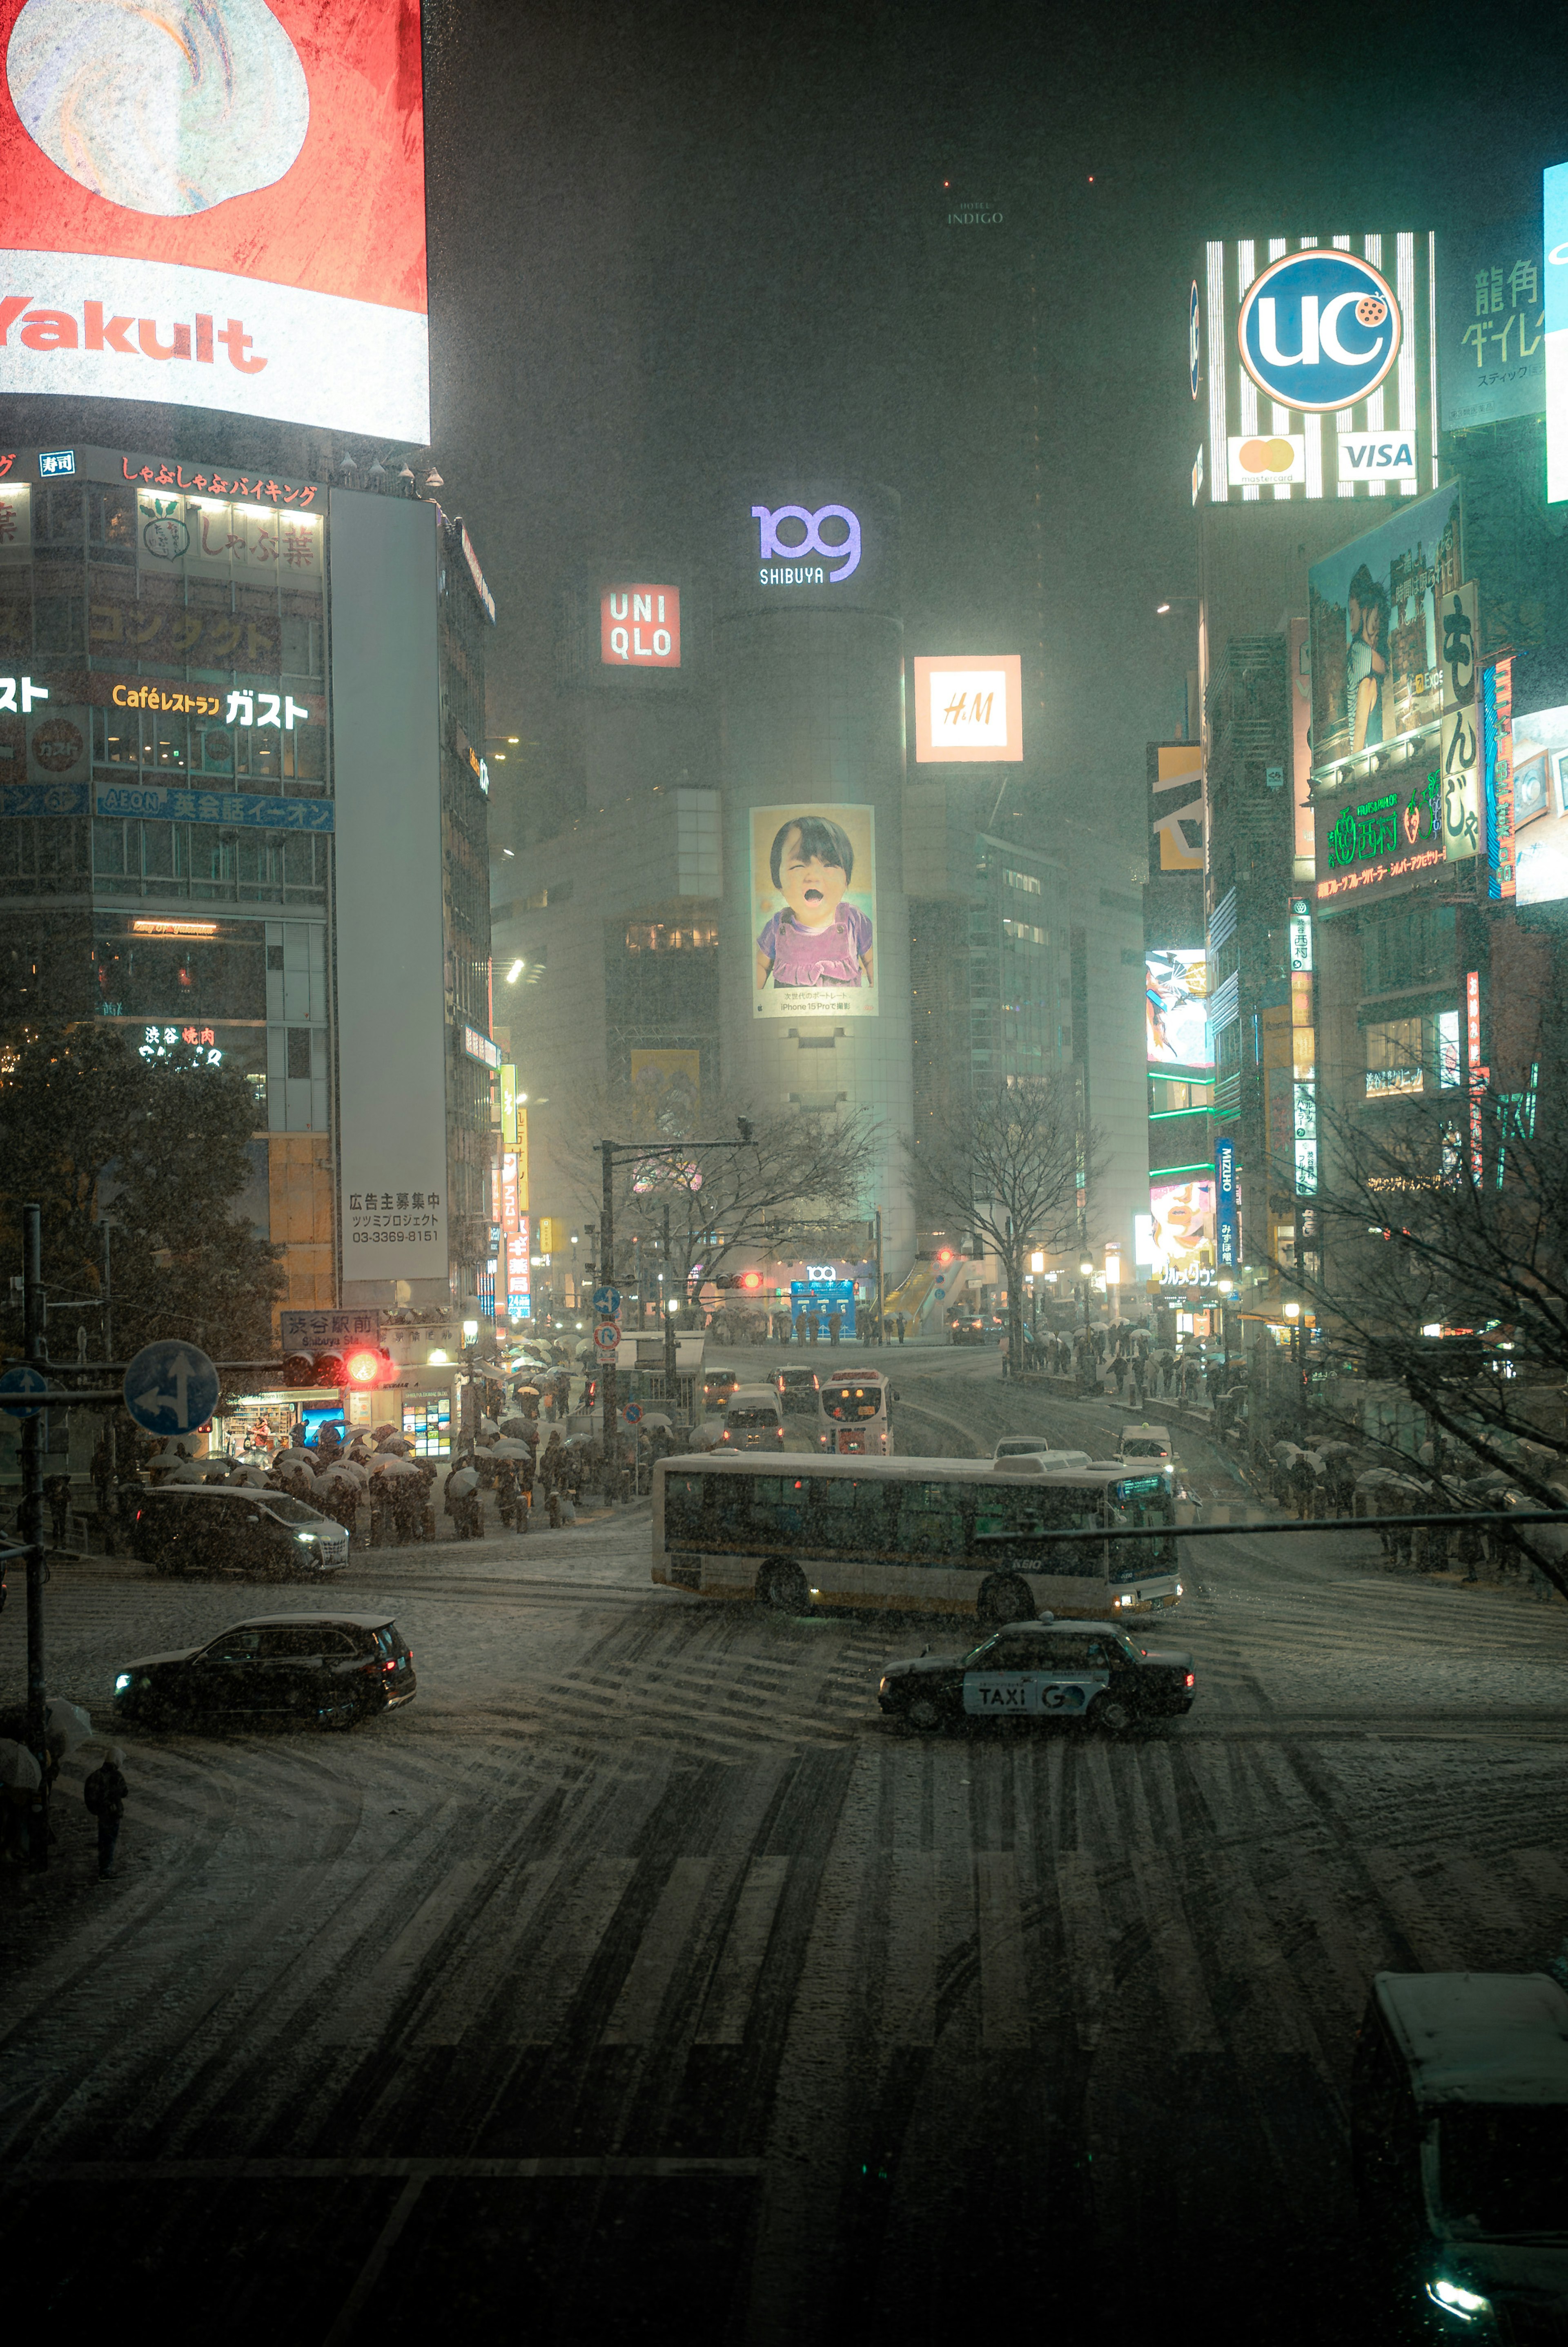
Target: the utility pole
pixel 664 1297
pixel 606 1279
pixel 36 1353
pixel 881 1323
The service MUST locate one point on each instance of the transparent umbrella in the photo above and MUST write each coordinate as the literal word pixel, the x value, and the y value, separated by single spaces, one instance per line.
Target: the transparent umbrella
pixel 17 1766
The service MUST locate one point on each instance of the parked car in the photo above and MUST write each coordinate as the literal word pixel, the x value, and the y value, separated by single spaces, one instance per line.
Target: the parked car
pixel 329 1670
pixel 217 1528
pixel 1459 2148
pixel 976 1328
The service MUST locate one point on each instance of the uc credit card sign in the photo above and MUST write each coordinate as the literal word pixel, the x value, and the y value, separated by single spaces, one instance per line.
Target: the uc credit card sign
pixel 216 207
pixel 1228 1246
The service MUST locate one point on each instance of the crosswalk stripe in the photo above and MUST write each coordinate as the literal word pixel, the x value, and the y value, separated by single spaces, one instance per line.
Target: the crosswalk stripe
pixel 579 1922
pixel 635 2017
pixel 1429 1937
pixel 909 1985
pixel 364 2004
pixel 1083 1920
pixel 1177 1968
pixel 729 1998
pixel 467 1991
pixel 1004 2001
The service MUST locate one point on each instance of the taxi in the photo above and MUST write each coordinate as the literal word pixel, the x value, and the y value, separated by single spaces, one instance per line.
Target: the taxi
pixel 1091 1671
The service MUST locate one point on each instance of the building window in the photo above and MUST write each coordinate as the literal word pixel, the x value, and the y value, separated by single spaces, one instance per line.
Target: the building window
pixel 1022 933
pixel 1024 880
pixel 1395 1057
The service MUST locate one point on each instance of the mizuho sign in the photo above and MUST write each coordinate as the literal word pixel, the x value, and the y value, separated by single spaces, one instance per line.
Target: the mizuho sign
pixel 1318 330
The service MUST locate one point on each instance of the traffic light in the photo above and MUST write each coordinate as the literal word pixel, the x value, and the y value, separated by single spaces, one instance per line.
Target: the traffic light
pixel 299 1369
pixel 369 1365
pixel 750 1281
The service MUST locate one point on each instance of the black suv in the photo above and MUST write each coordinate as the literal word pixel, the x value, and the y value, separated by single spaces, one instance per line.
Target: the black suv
pixel 329 1670
pixel 218 1528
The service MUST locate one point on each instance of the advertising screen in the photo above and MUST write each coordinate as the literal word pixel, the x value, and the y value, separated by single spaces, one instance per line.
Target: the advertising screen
pixel 1176 807
pixel 1540 751
pixel 666 1090
pixel 814 912
pixel 1182 1216
pixel 1376 649
pixel 640 626
pixel 1554 215
pixel 1318 365
pixel 218 206
pixel 1492 360
pixel 1177 993
pixel 969 707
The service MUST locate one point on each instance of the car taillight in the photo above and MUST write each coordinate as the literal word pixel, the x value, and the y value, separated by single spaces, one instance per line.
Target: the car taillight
pixel 389 1667
pixel 1189 1678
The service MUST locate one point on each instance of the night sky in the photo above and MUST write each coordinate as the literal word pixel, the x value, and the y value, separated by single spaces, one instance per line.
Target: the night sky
pixel 674 247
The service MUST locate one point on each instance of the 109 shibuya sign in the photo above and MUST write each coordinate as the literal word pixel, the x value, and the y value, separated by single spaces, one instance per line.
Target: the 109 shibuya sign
pixel 773 547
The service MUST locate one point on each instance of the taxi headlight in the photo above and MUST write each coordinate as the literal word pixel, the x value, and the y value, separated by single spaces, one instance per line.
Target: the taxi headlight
pixel 1454 2299
pixel 307 1537
pixel 122 1682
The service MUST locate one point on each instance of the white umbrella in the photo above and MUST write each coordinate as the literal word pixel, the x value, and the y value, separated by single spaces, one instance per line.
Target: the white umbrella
pixel 65 1724
pixel 98 1745
pixel 17 1766
pixel 656 1418
pixel 507 1449
pixel 249 1476
pixel 392 1465
pixel 462 1481
pixel 347 1470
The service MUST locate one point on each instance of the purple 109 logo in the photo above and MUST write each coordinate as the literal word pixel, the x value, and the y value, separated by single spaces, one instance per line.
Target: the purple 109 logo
pixel 845 551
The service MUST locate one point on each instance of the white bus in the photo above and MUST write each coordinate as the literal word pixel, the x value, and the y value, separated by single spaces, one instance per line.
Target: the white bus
pixel 913 1535
pixel 854 1409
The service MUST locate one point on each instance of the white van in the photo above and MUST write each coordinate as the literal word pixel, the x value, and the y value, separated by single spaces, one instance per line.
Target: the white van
pixel 1145 1441
pixel 1038 1446
pixel 753 1419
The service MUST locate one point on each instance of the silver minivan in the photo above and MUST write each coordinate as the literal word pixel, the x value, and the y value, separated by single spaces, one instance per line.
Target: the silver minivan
pixel 753 1419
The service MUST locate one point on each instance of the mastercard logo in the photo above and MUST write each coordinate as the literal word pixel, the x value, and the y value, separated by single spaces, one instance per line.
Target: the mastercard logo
pixel 1266 456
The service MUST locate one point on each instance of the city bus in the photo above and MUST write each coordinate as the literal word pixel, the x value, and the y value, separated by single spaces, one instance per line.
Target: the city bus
pixel 855 1411
pixel 913 1536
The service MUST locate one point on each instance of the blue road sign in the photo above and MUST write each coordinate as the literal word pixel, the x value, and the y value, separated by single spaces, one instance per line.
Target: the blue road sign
pixel 607 1301
pixel 23 1381
pixel 171 1387
pixel 633 1413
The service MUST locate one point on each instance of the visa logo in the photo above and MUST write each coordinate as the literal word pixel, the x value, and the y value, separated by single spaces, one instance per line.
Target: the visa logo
pixel 1377 456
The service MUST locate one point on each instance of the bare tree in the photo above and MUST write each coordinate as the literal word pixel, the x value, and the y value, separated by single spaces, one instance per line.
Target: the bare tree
pixel 724 1203
pixel 1016 1168
pixel 1442 1224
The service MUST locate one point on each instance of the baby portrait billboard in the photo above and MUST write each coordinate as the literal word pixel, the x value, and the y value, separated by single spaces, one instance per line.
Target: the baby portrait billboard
pixel 814 912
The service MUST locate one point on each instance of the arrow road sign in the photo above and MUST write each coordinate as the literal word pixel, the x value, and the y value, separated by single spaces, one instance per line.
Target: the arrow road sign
pixel 171 1387
pixel 606 1337
pixel 22 1381
pixel 607 1301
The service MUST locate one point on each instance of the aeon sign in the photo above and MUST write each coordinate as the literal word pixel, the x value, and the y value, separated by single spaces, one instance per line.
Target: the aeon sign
pixel 1318 330
pixel 791 549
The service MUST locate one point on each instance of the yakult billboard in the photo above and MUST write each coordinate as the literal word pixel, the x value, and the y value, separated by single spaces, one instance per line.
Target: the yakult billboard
pixel 216 204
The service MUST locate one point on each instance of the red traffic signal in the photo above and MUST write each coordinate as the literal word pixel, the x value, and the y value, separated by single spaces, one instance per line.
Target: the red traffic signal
pixel 370 1365
pixel 750 1281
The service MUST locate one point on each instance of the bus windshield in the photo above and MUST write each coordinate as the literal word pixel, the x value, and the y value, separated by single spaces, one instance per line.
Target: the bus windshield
pixel 849 1404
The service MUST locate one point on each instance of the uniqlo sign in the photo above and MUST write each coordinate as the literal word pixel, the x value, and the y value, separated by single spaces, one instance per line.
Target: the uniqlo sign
pixel 640 626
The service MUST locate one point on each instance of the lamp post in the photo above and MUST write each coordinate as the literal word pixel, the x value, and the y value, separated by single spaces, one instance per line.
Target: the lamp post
pixel 1085 1277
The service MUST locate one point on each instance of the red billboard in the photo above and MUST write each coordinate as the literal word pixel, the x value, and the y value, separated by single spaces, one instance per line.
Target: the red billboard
pixel 640 626
pixel 217 206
